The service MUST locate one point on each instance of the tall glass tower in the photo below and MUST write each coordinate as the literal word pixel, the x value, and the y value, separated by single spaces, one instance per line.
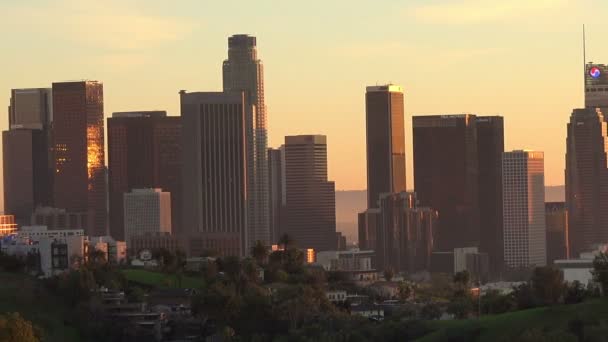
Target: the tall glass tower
pixel 243 71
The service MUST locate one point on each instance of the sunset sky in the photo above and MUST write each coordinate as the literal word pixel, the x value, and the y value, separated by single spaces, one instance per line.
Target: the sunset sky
pixel 520 58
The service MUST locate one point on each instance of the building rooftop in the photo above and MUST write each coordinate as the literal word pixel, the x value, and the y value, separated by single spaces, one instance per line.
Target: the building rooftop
pixel 390 88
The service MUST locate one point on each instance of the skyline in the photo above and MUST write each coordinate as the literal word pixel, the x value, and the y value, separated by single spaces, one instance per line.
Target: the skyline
pixel 164 54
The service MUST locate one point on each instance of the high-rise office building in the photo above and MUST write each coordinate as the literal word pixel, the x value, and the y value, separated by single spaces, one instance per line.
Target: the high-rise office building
pixel 310 197
pixel 26 154
pixel 556 219
pixel 400 233
pixel 276 198
pixel 243 71
pixel 385 135
pixel 587 179
pixel 524 209
pixel 596 86
pixel 457 171
pixel 78 141
pixel 146 211
pixel 144 151
pixel 490 146
pixel 446 176
pixel 214 172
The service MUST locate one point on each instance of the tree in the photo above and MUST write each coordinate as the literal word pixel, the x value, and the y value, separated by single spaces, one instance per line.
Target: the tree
pixel 405 291
pixel 97 257
pixel 389 273
pixel 286 241
pixel 13 328
pixel 600 271
pixel 461 307
pixel 524 296
pixel 548 284
pixel 462 279
pixel 575 293
pixel 259 252
pixel 430 311
pixel 493 302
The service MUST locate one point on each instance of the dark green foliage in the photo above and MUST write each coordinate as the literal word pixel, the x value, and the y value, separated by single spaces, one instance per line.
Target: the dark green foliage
pixel 548 285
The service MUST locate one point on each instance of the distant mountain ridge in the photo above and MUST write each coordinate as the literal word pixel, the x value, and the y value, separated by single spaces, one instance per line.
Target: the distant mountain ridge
pixel 351 202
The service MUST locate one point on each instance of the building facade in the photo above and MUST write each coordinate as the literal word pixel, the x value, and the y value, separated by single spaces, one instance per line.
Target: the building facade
pixel 587 179
pixel 490 147
pixel 243 71
pixel 596 86
pixel 144 151
pixel 446 176
pixel 457 171
pixel 524 209
pixel 26 154
pixel 215 193
pixel 78 141
pixel 58 219
pixel 310 198
pixel 276 198
pixel 146 211
pixel 400 233
pixel 7 225
pixel 556 218
pixel 385 137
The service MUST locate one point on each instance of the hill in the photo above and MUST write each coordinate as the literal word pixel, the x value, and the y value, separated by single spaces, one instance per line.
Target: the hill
pixel 590 317
pixel 24 294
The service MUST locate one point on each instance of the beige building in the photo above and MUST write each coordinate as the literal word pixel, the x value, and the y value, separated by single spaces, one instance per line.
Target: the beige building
pixel 146 211
pixel 524 209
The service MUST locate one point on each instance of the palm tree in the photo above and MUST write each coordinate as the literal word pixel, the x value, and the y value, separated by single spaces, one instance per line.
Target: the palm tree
pixel 259 252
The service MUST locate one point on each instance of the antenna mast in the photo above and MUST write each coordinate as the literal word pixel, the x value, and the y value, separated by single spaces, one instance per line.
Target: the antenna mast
pixel 584 58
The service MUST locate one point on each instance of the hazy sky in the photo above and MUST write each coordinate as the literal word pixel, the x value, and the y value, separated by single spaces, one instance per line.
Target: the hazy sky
pixel 518 58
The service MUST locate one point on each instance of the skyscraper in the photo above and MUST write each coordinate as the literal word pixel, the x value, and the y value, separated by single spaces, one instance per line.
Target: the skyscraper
pixel 457 170
pixel 490 146
pixel 596 86
pixel 26 154
pixel 214 172
pixel 524 209
pixel 587 179
pixel 276 180
pixel 144 151
pixel 556 218
pixel 243 71
pixel 399 232
pixel 446 176
pixel 78 142
pixel 385 135
pixel 310 197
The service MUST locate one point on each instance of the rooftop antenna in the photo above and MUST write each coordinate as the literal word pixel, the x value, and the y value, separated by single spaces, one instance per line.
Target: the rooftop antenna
pixel 584 61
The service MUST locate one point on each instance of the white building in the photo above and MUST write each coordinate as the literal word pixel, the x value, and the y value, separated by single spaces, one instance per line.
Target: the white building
pixel 524 208
pixel 146 211
pixel 36 232
pixel 56 254
pixel 356 263
pixel 580 269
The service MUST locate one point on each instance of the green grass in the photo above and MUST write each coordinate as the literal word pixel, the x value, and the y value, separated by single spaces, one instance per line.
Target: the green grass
pixel 159 279
pixel 18 293
pixel 511 325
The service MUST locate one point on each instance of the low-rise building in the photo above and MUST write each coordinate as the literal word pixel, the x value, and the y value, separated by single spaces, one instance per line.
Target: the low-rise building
pixel 7 225
pixel 580 269
pixel 115 251
pixel 357 264
pixel 336 296
pixel 152 241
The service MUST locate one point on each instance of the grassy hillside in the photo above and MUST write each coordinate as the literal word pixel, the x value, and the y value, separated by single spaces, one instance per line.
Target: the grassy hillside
pixel 510 326
pixel 158 279
pixel 21 293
